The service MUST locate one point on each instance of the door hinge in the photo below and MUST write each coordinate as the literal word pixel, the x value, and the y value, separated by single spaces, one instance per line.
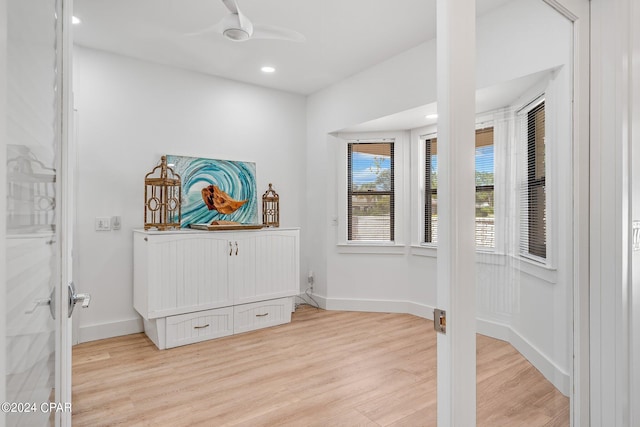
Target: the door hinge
pixel 440 320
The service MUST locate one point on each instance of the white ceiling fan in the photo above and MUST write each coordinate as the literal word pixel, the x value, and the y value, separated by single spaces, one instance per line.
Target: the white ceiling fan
pixel 238 28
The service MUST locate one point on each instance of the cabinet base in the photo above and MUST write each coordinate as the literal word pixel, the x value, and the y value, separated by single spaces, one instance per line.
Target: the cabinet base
pixel 189 328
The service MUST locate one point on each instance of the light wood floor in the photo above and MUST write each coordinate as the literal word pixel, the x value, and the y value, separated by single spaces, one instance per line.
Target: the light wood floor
pixel 326 368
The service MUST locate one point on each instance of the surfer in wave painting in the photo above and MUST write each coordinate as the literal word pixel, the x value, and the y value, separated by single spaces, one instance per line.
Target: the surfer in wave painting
pixel 218 200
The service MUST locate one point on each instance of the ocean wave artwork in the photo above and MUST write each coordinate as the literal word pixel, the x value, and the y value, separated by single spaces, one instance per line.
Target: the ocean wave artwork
pixel 235 188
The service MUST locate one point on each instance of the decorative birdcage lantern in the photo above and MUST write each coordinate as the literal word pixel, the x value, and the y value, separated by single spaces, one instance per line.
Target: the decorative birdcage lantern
pixel 162 198
pixel 31 192
pixel 271 208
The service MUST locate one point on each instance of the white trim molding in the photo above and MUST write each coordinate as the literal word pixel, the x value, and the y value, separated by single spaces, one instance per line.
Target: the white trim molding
pixel 111 329
pixel 401 191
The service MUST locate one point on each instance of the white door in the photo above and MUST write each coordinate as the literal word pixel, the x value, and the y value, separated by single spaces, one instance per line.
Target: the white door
pixel 35 233
pixel 471 282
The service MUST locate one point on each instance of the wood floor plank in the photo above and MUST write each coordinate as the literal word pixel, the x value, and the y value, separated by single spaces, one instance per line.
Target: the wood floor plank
pixel 325 368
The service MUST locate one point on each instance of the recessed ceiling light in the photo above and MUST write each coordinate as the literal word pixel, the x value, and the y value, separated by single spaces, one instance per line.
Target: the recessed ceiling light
pixel 268 69
pixel 75 20
pixel 431 116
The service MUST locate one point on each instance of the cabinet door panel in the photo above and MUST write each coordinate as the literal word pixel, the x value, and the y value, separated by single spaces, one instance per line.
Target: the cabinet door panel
pixel 268 268
pixel 242 267
pixel 190 272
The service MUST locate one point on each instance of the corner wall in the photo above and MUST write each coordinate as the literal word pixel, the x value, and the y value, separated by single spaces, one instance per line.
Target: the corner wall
pixel 129 113
pixel 511 43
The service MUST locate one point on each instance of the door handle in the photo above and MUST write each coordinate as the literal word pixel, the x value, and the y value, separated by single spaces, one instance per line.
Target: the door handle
pixel 74 298
pixel 41 302
pixel 38 303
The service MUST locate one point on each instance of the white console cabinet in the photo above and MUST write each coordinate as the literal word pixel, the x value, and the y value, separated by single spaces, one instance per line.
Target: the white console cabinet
pixel 191 286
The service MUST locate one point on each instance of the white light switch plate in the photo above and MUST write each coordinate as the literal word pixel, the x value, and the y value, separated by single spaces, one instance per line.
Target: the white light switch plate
pixel 103 223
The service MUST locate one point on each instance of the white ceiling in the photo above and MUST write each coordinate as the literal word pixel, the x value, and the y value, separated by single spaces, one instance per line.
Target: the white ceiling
pixel 343 37
pixel 487 99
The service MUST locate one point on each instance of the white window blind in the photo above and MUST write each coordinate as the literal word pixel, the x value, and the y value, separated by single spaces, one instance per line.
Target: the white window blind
pixel 484 177
pixel 485 180
pixel 431 191
pixel 370 191
pixel 533 206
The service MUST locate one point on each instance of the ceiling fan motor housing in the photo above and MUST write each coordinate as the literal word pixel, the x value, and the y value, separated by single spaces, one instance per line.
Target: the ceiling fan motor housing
pixel 235 30
pixel 236 34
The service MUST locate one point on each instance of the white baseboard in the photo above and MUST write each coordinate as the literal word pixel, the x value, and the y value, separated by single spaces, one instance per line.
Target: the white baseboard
pixel 376 306
pixel 552 372
pixel 493 329
pixel 420 310
pixel 109 330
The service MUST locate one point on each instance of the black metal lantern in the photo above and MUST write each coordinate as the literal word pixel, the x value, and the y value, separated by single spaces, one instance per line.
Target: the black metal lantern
pixel 271 208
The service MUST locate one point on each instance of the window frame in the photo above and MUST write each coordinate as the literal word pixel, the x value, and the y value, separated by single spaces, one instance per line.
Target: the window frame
pixel 526 181
pixel 400 178
pixel 427 212
pixel 482 126
pixel 351 192
pixel 483 121
pixel 547 91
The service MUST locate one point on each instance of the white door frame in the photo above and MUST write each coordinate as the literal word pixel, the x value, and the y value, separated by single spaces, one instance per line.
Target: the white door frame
pixel 3 200
pixel 615 275
pixel 578 12
pixel 456 284
pixel 67 210
pixel 634 363
pixel 456 287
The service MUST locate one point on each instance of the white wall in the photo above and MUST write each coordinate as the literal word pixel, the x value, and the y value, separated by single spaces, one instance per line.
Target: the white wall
pixel 129 113
pixel 521 38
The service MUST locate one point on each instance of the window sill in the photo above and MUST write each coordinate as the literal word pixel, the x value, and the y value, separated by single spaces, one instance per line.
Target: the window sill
pixel 535 269
pixel 371 248
pixel 430 251
pixel 482 256
pixel 488 257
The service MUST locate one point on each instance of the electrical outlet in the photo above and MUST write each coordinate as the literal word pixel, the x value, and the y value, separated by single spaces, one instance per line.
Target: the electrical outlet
pixel 103 223
pixel 310 280
pixel 116 222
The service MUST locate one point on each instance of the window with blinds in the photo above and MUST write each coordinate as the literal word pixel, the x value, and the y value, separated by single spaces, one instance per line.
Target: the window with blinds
pixel 370 191
pixel 431 191
pixel 533 206
pixel 484 177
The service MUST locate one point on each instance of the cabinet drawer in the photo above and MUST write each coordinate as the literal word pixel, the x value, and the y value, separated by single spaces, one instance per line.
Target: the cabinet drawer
pixel 199 326
pixel 247 317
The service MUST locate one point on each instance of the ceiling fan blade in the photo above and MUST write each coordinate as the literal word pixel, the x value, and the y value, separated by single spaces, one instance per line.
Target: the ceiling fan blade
pixel 231 5
pixel 276 33
pixel 217 28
